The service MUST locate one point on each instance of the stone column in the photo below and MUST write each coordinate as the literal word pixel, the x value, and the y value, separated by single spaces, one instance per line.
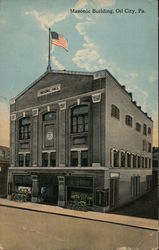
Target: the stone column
pixel 96 161
pixel 35 188
pixel 62 134
pixel 35 138
pixel 61 191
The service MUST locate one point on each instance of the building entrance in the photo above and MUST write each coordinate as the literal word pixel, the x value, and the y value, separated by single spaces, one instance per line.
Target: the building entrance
pixel 49 189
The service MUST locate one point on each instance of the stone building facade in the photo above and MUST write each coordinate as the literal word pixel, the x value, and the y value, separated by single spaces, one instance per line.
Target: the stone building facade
pixel 79 135
pixel 4 164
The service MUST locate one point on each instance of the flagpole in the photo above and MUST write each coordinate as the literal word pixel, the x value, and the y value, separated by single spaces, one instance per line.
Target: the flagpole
pixel 49 63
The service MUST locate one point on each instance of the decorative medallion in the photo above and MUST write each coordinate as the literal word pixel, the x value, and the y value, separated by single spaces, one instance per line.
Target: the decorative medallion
pixel 49 136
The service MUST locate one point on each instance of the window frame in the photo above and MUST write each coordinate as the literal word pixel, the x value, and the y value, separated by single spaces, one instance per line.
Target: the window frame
pixel 24 129
pixel 79 122
pixel 129 120
pixel 115 112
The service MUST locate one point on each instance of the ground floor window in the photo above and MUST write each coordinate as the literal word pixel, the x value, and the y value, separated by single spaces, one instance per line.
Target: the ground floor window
pixel 102 198
pixel 135 186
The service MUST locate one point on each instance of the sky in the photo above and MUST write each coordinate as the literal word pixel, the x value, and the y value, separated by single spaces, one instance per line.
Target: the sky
pixel 123 42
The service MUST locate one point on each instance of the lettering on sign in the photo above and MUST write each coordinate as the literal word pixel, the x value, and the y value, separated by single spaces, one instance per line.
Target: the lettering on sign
pixel 114 175
pixel 49 90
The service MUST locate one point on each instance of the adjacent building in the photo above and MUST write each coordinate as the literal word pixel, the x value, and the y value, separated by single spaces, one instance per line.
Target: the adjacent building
pixel 79 135
pixel 4 164
pixel 155 165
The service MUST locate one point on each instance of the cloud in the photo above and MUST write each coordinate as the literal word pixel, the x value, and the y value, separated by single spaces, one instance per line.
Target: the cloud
pixel 47 19
pixel 104 3
pixel 4 121
pixel 152 77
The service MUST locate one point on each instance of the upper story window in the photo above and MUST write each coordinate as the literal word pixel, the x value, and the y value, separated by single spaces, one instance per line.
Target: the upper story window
pixel 79 119
pixel 128 120
pixel 115 112
pixel 144 129
pixel 122 158
pixel 138 127
pixel 50 116
pixel 24 128
pixel 134 161
pixel 149 130
pixel 128 160
pixel 2 154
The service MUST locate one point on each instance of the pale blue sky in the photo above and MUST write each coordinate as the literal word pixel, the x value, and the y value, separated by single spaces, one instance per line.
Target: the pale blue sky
pixel 125 44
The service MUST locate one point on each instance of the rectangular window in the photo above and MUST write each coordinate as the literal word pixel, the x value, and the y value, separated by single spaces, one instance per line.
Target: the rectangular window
pixel 148 182
pixel 45 159
pixel 144 145
pixel 128 160
pixel 52 159
pixel 143 162
pixel 149 131
pixel 27 160
pixel 128 120
pixel 115 112
pixel 149 148
pixel 21 160
pixel 149 163
pixel 134 161
pixel 74 158
pixel 122 159
pixel 84 158
pixel 139 161
pixel 144 129
pixel 138 127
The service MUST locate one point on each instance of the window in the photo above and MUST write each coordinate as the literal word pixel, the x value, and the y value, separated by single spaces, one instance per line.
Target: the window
pixel 27 160
pixel 149 147
pixel 128 160
pixel 134 161
pixel 115 112
pixel 148 182
pixel 2 154
pixel 149 130
pixel 128 120
pixel 21 160
pixel 52 159
pixel 74 158
pixel 50 116
pixel 139 161
pixel 122 159
pixel 149 163
pixel 84 158
pixel 144 129
pixel 45 159
pixel 135 186
pixel 143 162
pixel 144 145
pixel 138 127
pixel 102 198
pixel 116 158
pixel 24 128
pixel 79 119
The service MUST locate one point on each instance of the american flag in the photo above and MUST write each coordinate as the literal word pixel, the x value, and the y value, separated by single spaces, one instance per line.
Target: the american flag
pixel 58 40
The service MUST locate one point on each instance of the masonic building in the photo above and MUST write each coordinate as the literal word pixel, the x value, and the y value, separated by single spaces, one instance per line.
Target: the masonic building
pixel 77 135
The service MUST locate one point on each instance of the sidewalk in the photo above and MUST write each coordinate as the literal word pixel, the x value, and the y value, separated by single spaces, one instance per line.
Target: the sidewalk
pixel 102 217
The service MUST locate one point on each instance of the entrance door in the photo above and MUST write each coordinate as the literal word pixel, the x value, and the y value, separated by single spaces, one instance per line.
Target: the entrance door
pixel 114 192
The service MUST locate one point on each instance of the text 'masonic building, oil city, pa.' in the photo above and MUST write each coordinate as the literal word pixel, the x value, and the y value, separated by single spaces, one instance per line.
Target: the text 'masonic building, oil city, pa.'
pixel 79 135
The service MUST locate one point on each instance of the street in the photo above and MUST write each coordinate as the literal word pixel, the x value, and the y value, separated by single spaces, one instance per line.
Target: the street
pixel 34 230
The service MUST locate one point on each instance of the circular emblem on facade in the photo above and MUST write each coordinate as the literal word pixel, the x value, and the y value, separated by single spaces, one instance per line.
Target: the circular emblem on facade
pixel 49 136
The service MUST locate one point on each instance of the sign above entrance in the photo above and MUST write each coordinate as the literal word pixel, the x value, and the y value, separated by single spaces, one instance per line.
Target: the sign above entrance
pixel 49 90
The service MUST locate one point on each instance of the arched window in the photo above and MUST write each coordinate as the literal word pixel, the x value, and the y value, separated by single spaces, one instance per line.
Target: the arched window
pixel 24 128
pixel 128 120
pixel 79 119
pixel 50 116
